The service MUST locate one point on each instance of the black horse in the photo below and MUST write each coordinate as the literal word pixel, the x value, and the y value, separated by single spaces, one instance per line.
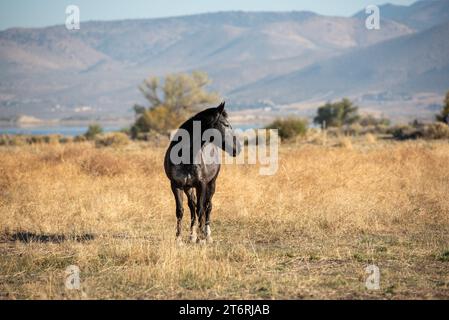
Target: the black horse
pixel 194 171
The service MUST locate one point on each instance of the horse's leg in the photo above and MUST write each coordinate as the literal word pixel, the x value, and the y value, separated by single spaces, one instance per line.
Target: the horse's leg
pixel 209 194
pixel 179 210
pixel 200 207
pixel 190 193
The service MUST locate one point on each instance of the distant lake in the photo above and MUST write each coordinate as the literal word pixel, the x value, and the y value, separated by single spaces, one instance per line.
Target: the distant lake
pixel 70 131
pixel 76 130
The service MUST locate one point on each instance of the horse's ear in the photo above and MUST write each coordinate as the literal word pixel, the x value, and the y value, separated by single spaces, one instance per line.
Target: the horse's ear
pixel 220 108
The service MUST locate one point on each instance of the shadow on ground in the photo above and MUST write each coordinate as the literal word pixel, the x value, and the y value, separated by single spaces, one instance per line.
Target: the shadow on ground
pixel 29 237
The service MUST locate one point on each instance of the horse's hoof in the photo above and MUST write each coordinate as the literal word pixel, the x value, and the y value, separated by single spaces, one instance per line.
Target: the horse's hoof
pixel 209 240
pixel 201 241
pixel 193 238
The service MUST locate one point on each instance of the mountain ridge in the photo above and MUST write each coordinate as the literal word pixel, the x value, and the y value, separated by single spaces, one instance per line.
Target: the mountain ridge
pixel 374 60
pixel 49 72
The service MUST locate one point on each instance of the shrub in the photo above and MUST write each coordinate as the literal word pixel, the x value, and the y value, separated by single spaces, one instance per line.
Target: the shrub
pixel 354 129
pixel 405 132
pixel 289 128
pixel 438 130
pixel 79 139
pixel 64 140
pixel 92 131
pixel 52 139
pixel 114 139
pixel 146 136
pixel 382 129
pixel 154 137
pixel 4 140
pixel 369 130
pixel 72 153
pixel 18 140
pixel 337 114
pixel 103 164
pixel 35 140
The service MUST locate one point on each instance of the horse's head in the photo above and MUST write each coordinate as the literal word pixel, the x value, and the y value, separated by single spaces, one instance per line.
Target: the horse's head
pixel 229 141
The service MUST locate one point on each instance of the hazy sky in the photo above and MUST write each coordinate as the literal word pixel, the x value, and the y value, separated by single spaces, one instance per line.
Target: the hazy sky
pixel 37 13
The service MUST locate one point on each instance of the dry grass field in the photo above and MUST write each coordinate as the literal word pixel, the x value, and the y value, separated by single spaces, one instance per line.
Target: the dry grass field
pixel 306 233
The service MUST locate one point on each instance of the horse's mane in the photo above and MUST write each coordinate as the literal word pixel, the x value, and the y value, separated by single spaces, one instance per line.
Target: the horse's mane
pixel 202 115
pixel 207 112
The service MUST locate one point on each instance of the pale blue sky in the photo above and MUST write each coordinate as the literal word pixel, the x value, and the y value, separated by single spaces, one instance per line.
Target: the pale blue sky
pixel 38 13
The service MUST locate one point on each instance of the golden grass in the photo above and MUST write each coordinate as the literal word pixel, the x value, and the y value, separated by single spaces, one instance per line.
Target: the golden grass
pixel 307 232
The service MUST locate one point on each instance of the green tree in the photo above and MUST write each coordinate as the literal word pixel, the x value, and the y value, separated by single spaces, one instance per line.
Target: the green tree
pixel 337 114
pixel 444 114
pixel 138 109
pixel 290 127
pixel 171 102
pixel 93 130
